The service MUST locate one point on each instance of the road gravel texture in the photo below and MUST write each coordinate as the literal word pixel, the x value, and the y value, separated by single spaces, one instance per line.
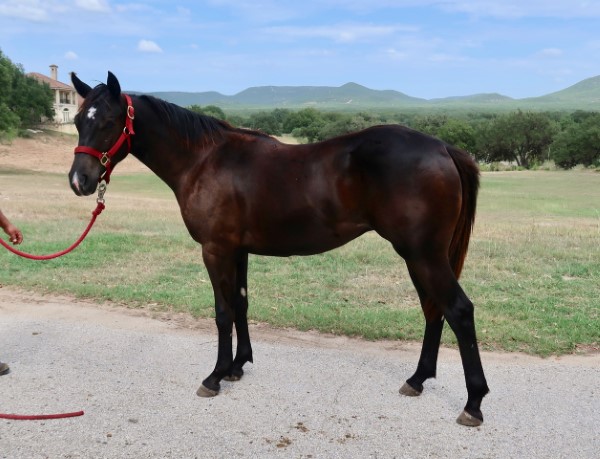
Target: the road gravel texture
pixel 307 395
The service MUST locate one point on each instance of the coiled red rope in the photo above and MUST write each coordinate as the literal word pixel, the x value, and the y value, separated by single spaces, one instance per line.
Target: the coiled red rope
pixel 97 211
pixel 39 417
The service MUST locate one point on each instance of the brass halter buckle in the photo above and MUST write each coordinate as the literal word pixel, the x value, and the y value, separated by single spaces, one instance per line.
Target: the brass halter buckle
pixel 105 159
pixel 101 191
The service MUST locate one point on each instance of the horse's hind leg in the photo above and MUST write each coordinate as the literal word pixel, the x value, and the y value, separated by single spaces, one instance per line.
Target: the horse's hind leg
pixel 426 368
pixel 244 349
pixel 435 280
pixel 434 323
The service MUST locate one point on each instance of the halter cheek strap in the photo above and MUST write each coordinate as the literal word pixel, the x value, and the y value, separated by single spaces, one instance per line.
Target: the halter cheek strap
pixel 105 157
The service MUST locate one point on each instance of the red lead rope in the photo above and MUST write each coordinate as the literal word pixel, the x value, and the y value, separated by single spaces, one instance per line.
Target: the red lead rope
pixel 38 417
pixel 95 213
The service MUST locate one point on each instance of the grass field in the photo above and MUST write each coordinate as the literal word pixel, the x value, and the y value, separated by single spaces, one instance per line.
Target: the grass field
pixel 533 270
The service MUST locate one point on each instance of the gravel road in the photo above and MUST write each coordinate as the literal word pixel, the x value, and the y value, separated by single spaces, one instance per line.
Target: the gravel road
pixel 307 395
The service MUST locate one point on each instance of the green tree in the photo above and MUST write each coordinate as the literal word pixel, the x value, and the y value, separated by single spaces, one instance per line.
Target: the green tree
pixel 458 133
pixel 521 137
pixel 281 115
pixel 345 124
pixel 31 101
pixel 9 120
pixel 305 123
pixel 23 101
pixel 579 141
pixel 431 124
pixel 455 131
pixel 266 122
pixel 209 110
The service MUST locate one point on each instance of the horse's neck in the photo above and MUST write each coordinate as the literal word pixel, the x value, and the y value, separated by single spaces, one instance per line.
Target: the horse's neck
pixel 166 155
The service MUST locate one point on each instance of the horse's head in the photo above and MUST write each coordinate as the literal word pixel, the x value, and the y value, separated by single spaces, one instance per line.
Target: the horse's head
pixel 100 124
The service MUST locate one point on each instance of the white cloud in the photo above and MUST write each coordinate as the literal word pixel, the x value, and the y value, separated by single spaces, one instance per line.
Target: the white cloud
pixel 100 6
pixel 134 8
pixel 341 33
pixel 395 54
pixel 481 8
pixel 31 10
pixel 71 56
pixel 264 11
pixel 148 46
pixel 521 9
pixel 551 52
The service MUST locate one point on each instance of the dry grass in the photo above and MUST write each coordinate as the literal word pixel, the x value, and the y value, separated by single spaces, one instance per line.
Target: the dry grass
pixel 533 269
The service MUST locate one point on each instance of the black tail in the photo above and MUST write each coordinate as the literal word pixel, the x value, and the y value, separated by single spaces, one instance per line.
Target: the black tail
pixel 469 177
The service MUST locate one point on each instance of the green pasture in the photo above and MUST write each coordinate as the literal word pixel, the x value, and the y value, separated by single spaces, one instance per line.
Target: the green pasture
pixel 533 269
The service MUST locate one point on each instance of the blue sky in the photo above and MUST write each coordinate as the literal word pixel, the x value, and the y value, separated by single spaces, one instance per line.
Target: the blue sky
pixel 424 48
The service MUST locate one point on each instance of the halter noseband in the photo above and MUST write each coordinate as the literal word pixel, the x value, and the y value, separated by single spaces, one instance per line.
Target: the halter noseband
pixel 105 157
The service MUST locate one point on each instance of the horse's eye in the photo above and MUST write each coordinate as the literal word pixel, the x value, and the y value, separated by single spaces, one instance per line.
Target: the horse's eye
pixel 108 124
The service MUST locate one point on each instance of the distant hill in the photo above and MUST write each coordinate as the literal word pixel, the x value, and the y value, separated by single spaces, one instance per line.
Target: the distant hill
pixel 350 94
pixel 487 98
pixel 185 99
pixel 584 95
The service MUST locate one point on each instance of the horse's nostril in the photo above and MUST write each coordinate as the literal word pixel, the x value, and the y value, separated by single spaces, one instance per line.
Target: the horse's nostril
pixel 78 181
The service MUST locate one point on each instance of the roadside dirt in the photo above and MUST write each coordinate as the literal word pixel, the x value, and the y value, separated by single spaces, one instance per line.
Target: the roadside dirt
pixel 134 373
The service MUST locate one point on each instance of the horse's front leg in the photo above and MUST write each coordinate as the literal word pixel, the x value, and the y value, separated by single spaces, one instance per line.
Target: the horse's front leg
pixel 243 353
pixel 221 268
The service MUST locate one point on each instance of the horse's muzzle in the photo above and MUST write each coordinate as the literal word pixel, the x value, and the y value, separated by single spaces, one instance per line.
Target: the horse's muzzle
pixel 81 184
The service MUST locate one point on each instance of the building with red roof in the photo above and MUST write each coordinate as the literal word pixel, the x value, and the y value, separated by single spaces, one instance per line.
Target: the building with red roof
pixel 66 100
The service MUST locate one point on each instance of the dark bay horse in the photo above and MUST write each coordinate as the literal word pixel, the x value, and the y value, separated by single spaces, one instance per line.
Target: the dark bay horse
pixel 243 192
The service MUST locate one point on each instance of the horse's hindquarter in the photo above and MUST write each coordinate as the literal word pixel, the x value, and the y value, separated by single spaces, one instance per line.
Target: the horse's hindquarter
pixel 412 185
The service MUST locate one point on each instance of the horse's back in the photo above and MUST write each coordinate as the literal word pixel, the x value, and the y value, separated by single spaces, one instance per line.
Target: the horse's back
pixel 391 146
pixel 382 167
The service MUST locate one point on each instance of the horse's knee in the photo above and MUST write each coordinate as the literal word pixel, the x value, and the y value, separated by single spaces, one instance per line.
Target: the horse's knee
pixel 224 322
pixel 460 312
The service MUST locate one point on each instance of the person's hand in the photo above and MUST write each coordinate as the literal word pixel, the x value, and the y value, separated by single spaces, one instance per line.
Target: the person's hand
pixel 14 234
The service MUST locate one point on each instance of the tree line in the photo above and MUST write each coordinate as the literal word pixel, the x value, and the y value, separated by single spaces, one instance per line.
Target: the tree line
pixel 23 101
pixel 525 139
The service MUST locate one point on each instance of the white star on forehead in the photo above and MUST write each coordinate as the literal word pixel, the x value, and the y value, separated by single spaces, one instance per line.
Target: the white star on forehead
pixel 91 114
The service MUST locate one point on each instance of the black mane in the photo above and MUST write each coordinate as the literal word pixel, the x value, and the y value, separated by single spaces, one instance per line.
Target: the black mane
pixel 192 127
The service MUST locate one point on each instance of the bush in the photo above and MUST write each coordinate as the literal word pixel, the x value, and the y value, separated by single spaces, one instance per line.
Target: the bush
pixel 23 101
pixel 579 142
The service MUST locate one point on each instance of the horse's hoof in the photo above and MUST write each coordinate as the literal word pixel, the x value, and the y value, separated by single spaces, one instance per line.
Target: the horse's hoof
pixel 409 391
pixel 204 391
pixel 468 420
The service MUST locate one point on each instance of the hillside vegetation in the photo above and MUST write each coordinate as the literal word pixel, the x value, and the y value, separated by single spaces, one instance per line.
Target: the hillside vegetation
pixel 584 95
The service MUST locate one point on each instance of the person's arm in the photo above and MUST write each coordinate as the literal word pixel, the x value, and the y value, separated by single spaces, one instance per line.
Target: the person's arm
pixel 14 233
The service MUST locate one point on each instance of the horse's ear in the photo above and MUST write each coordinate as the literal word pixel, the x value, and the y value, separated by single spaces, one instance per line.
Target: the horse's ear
pixel 82 89
pixel 113 85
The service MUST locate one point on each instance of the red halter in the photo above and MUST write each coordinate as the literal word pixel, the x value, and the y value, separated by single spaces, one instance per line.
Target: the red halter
pixel 105 157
